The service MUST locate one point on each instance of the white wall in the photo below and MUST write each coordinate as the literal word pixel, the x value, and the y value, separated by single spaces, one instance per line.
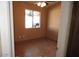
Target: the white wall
pixel 0 42
pixel 5 29
pixel 66 12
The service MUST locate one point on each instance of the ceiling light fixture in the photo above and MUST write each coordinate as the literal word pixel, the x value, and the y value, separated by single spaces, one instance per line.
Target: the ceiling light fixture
pixel 41 4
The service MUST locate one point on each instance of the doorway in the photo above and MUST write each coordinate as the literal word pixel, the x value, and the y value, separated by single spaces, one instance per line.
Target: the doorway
pixel 36 28
pixel 8 49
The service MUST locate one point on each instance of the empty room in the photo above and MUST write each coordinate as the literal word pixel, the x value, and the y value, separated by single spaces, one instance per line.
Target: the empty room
pixel 36 27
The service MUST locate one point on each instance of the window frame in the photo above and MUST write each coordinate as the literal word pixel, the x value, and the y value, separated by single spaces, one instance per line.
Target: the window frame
pixel 32 20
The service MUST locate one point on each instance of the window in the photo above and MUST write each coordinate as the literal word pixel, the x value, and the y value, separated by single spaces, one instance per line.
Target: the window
pixel 32 19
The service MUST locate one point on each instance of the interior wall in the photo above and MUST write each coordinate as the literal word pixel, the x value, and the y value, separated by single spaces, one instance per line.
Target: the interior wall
pixel 20 32
pixel 53 21
pixel 0 44
pixel 0 41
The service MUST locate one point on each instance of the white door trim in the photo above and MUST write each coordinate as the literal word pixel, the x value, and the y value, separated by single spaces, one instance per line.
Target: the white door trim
pixel 5 29
pixel 12 27
pixel 65 21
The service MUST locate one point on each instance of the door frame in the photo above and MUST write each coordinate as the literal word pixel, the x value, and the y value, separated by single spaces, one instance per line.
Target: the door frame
pixel 63 34
pixel 65 22
pixel 5 30
pixel 12 27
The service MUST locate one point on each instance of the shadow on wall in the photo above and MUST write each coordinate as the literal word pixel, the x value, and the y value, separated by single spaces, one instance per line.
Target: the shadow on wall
pixel 52 35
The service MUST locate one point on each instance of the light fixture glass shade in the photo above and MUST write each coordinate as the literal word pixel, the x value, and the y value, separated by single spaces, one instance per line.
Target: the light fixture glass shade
pixel 43 4
pixel 39 4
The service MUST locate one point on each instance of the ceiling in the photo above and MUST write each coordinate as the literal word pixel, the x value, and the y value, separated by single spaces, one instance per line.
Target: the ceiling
pixel 49 3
